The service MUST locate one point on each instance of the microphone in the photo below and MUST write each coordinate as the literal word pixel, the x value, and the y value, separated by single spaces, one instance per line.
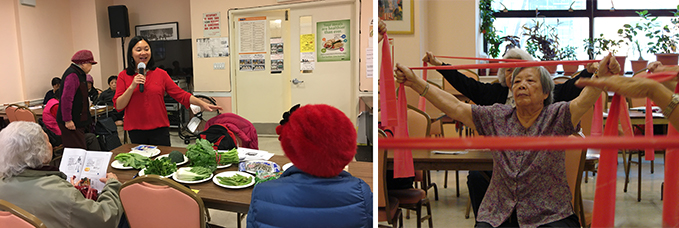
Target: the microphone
pixel 142 68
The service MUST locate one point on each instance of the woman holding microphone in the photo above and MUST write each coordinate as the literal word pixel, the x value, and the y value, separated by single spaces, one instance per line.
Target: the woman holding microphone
pixel 140 91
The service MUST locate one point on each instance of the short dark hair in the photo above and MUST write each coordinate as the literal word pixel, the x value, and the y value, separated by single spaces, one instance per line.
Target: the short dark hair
pixel 131 66
pixel 56 81
pixel 111 78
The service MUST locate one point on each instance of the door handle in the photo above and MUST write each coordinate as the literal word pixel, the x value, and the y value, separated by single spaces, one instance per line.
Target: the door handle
pixel 296 81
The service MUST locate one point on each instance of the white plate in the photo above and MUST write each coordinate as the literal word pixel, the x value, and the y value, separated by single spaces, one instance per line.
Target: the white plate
pixel 119 165
pixel 223 166
pixel 231 173
pixel 149 153
pixel 287 165
pixel 186 159
pixel 174 175
pixel 141 173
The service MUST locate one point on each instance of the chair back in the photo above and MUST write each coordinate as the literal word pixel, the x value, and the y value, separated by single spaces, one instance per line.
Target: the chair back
pixel 387 210
pixel 449 88
pixel 155 201
pixel 382 170
pixel 419 123
pixel 25 114
pixel 11 110
pixel 13 216
pixel 575 164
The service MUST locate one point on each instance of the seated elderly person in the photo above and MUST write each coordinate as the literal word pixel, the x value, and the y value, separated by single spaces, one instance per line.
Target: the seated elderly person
pixel 315 192
pixel 482 93
pixel 521 178
pixel 28 182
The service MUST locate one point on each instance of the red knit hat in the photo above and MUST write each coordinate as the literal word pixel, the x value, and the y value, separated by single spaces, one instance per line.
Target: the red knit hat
pixel 83 56
pixel 319 139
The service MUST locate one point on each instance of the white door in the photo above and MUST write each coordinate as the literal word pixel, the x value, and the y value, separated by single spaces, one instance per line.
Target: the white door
pixel 262 96
pixel 336 82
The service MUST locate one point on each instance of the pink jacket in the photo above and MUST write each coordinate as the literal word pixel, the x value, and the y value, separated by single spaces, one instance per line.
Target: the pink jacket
pixel 49 119
pixel 241 127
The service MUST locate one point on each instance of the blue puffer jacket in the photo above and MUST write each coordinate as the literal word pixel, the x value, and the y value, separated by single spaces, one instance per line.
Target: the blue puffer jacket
pixel 298 199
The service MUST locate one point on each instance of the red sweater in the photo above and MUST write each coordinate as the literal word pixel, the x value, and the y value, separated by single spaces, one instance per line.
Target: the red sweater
pixel 146 110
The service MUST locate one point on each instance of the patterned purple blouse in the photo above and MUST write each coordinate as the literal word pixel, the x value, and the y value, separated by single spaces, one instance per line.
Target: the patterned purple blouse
pixel 532 183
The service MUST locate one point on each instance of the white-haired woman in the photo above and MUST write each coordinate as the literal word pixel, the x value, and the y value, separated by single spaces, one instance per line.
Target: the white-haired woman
pixel 27 181
pixel 482 93
pixel 528 188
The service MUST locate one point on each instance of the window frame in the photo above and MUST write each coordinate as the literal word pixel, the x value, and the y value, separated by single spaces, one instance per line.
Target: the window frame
pixel 590 12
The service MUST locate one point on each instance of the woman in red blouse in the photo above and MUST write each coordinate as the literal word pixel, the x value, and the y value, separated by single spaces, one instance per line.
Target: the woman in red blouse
pixel 145 114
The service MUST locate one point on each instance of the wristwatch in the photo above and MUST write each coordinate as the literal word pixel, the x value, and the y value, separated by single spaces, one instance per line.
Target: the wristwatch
pixel 670 107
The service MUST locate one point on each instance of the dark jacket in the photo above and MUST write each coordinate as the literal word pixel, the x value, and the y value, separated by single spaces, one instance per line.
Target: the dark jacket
pixel 490 93
pixel 93 94
pixel 80 112
pixel 298 199
pixel 49 95
pixel 106 97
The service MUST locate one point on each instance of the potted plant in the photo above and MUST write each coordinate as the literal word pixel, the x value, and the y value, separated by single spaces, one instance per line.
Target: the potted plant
pixel 488 31
pixel 630 32
pixel 568 53
pixel 601 45
pixel 665 45
pixel 542 42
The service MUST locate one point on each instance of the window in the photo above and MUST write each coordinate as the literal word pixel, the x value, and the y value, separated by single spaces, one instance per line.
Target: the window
pixel 578 20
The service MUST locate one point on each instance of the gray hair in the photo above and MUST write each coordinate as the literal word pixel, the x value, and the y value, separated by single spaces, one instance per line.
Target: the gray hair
pixel 513 53
pixel 545 80
pixel 24 145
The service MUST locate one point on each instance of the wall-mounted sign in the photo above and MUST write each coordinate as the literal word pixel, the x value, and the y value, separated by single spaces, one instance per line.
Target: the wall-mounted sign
pixel 334 43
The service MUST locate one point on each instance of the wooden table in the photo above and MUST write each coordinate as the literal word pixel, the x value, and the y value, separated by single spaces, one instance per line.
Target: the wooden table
pixel 235 200
pixel 426 160
pixel 38 111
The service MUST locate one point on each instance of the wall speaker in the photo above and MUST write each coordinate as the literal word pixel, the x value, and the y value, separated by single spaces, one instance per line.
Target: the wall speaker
pixel 118 21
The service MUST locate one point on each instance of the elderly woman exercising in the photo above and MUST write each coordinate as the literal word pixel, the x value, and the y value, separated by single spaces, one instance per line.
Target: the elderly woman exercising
pixel 528 188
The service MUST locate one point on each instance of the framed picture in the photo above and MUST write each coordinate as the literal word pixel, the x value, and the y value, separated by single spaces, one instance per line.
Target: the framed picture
pixel 162 31
pixel 398 15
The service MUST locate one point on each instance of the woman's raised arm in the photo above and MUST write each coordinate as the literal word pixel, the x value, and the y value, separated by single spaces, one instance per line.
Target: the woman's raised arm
pixel 443 100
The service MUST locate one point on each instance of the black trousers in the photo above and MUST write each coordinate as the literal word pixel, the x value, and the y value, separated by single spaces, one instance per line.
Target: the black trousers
pixel 158 136
pixel 477 183
pixel 512 221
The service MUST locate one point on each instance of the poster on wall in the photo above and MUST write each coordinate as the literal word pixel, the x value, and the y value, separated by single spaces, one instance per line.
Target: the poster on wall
pixel 334 43
pixel 212 47
pixel 276 55
pixel 251 62
pixel 307 61
pixel 369 62
pixel 211 25
pixel 252 33
pixel 306 43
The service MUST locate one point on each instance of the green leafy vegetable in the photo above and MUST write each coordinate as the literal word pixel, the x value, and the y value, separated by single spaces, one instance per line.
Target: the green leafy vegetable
pixel 133 160
pixel 235 180
pixel 228 157
pixel 202 154
pixel 162 167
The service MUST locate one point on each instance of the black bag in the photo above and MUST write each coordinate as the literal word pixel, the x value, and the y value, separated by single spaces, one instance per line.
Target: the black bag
pixel 107 134
pixel 219 135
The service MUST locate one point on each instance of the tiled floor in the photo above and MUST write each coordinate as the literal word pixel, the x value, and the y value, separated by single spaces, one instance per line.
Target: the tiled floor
pixel 449 210
pixel 224 218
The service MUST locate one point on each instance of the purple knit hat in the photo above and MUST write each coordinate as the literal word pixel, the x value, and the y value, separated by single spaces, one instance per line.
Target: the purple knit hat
pixel 83 56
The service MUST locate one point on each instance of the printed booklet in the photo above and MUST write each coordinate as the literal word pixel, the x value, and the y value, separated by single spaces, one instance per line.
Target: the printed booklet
pixel 85 165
